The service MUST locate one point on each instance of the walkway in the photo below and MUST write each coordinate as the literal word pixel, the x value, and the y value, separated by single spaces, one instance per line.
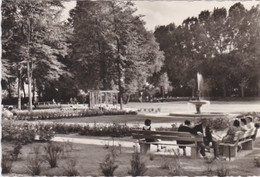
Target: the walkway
pixel 129 143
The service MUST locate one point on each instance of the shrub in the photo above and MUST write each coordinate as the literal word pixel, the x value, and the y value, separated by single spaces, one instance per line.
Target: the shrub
pixel 35 161
pixel 138 168
pixel 69 113
pixel 108 166
pixel 52 153
pixel 219 123
pixel 257 162
pixel 16 151
pixel 175 164
pixel 114 130
pixel 44 131
pixel 19 133
pixel 70 168
pixel 222 170
pixel 24 133
pixel 7 163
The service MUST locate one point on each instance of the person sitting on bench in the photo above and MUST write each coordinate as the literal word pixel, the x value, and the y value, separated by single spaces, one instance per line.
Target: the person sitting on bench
pixel 244 124
pixel 204 130
pixel 233 133
pixel 147 126
pixel 184 128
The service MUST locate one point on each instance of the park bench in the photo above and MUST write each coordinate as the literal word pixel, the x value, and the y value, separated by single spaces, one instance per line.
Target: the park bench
pixel 167 138
pixel 245 140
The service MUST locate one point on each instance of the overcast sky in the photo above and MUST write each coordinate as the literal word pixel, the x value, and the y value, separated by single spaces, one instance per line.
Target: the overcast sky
pixel 165 12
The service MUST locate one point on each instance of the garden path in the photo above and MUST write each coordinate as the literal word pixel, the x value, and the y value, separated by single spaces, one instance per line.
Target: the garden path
pixel 124 142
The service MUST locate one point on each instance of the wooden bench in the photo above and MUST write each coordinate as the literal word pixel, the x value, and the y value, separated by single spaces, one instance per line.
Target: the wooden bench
pixel 167 138
pixel 244 140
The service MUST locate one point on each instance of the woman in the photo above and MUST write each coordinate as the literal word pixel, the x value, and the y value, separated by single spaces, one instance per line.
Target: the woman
pixel 233 133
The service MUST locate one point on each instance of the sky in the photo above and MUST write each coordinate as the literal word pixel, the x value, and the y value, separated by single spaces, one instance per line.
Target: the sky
pixel 166 12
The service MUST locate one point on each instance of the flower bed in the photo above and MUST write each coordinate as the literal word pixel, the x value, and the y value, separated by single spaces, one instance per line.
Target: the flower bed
pixel 113 130
pixel 25 133
pixel 67 113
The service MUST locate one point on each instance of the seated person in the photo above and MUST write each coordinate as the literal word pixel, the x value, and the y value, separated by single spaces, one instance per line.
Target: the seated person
pixel 250 123
pixel 8 114
pixel 147 126
pixel 244 124
pixel 251 126
pixel 184 128
pixel 233 133
pixel 205 130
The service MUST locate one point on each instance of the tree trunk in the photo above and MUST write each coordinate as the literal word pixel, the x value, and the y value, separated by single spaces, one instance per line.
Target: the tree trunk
pixel 242 91
pixel 19 104
pixel 34 90
pixel 29 86
pixel 224 91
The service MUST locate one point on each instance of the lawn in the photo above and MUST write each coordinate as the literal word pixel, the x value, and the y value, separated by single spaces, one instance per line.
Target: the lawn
pixel 89 157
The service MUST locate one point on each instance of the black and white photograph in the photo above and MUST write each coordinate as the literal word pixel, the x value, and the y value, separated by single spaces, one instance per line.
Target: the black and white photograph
pixel 130 88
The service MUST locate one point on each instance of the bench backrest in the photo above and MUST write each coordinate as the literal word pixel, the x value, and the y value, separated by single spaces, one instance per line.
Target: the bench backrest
pixel 166 135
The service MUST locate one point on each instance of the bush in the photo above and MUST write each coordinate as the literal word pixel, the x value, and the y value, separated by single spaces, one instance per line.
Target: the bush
pixel 35 161
pixel 16 151
pixel 7 163
pixel 115 130
pixel 44 131
pixel 257 162
pixel 108 166
pixel 70 168
pixel 68 113
pixel 219 123
pixel 138 168
pixel 24 133
pixel 52 153
pixel 222 170
pixel 175 164
pixel 19 133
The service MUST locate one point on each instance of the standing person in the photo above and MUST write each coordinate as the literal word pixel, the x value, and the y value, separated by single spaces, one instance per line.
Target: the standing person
pixel 184 128
pixel 147 126
pixel 204 130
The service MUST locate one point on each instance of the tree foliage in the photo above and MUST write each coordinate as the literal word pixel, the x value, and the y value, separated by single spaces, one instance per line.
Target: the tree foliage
pixel 33 32
pixel 111 47
pixel 222 45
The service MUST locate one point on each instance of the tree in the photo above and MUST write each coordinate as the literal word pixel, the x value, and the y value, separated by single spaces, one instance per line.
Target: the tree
pixel 111 45
pixel 33 33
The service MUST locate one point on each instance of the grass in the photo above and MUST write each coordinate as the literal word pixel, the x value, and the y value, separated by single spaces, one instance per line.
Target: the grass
pixel 89 157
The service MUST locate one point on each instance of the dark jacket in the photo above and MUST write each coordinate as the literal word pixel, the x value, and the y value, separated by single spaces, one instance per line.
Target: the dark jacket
pixel 198 128
pixel 184 128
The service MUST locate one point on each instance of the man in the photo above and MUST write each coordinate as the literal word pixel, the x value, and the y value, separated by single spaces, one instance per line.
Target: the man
pixel 204 130
pixel 184 128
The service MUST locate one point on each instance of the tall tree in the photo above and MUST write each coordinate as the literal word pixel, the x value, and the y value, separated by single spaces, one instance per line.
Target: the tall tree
pixel 111 45
pixel 34 35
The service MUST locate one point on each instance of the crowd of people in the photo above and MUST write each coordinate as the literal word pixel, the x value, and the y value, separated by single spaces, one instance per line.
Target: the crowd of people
pixel 211 139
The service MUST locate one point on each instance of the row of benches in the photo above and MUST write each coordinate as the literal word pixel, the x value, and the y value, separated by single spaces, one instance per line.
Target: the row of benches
pixel 170 138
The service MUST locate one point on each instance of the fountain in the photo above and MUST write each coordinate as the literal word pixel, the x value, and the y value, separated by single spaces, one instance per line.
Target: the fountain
pixel 198 102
